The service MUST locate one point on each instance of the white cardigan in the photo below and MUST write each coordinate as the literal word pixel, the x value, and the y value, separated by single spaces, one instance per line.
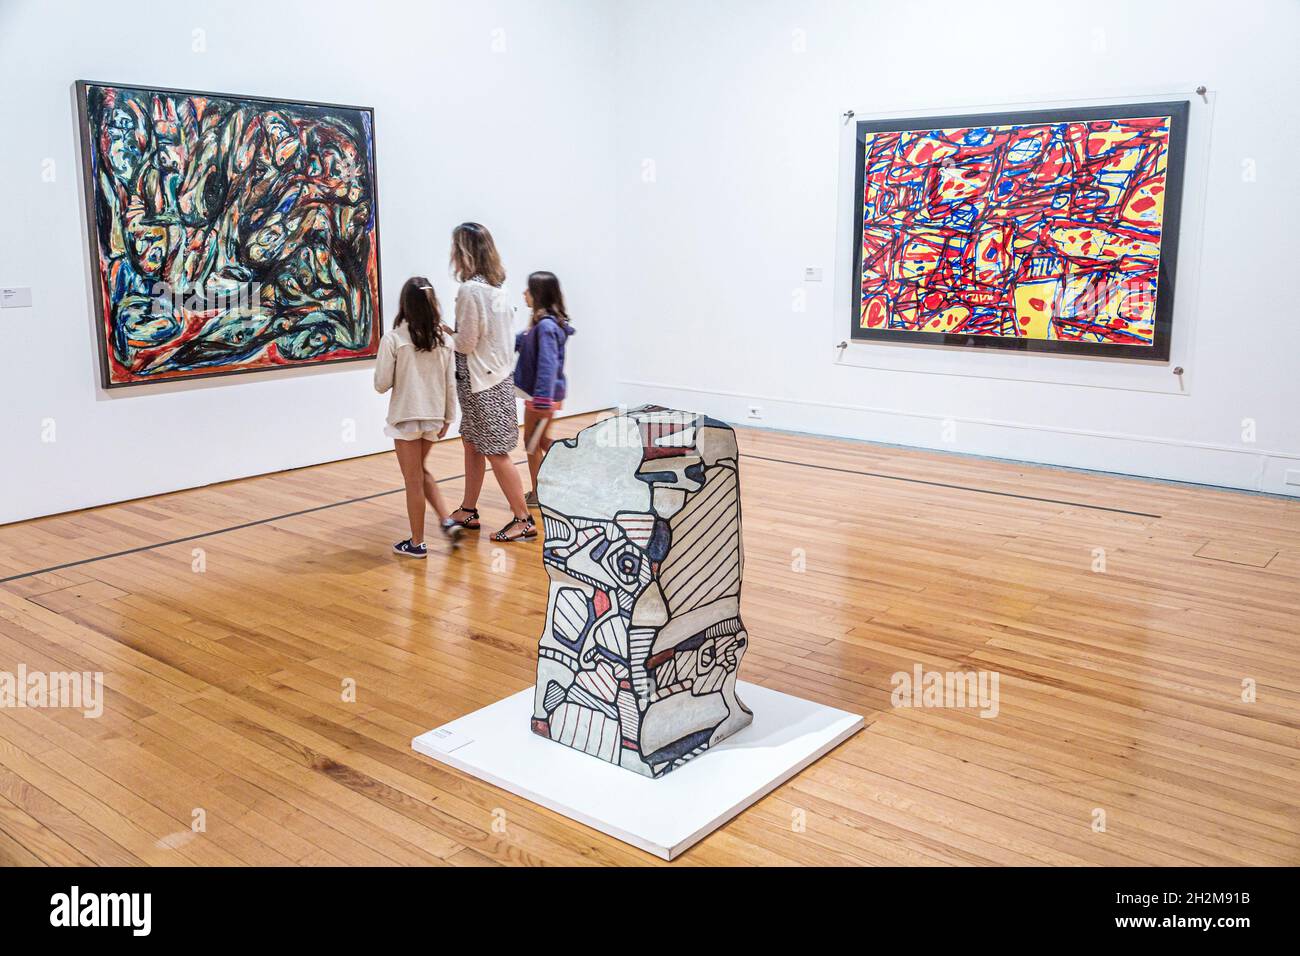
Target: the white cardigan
pixel 423 383
pixel 485 334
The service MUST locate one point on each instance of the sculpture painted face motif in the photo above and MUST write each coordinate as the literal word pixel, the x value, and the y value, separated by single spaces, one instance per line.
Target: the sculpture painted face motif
pixel 643 640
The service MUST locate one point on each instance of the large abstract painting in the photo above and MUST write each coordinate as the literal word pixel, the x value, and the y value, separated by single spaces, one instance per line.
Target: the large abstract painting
pixel 638 660
pixel 228 233
pixel 1051 230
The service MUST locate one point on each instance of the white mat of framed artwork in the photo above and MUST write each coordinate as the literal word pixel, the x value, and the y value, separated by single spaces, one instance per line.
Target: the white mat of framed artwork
pixel 663 816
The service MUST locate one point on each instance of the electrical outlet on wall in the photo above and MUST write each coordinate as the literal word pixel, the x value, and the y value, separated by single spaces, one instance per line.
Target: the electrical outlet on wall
pixel 1292 476
pixel 755 411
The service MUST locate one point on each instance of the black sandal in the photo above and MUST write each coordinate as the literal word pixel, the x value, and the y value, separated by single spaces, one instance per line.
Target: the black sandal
pixel 530 530
pixel 470 522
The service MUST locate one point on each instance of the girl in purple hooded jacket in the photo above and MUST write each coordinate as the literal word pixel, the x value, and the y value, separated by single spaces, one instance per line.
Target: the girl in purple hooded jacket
pixel 539 371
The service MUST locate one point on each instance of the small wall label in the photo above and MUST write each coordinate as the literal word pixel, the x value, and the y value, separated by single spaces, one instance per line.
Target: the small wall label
pixel 15 297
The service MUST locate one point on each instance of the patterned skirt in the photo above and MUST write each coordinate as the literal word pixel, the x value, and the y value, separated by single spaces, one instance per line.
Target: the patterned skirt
pixel 489 420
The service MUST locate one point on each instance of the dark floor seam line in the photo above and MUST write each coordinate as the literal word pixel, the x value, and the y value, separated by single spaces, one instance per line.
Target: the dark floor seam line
pixel 394 491
pixel 940 484
pixel 209 534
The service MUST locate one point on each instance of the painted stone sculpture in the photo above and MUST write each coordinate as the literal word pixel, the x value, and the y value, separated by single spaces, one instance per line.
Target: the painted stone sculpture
pixel 639 658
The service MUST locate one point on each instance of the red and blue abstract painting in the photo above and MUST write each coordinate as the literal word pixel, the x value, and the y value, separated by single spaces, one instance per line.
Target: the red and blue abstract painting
pixel 228 233
pixel 1041 231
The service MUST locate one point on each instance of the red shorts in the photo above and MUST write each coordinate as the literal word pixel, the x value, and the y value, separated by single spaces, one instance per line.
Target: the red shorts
pixel 532 407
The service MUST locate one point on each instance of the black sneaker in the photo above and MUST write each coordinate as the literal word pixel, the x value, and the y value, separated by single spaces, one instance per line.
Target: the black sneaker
pixel 410 550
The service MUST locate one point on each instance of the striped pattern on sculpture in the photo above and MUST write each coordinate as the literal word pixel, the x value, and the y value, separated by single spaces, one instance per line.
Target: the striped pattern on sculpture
pixel 638 660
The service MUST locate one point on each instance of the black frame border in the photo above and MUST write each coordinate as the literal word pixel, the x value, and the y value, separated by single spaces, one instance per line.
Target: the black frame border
pixel 92 232
pixel 1178 112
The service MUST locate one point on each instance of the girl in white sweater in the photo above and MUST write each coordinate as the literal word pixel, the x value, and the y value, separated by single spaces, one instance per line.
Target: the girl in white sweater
pixel 416 363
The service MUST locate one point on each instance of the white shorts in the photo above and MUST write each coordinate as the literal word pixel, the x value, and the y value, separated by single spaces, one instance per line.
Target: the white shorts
pixel 414 430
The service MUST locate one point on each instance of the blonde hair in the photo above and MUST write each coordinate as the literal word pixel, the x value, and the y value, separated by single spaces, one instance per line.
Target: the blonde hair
pixel 473 253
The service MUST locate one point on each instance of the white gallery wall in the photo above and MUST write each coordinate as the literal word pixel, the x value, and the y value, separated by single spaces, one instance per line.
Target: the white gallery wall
pixel 730 138
pixel 678 164
pixel 495 112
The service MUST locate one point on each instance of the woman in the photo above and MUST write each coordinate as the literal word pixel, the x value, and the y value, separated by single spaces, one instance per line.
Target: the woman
pixel 539 370
pixel 417 366
pixel 489 422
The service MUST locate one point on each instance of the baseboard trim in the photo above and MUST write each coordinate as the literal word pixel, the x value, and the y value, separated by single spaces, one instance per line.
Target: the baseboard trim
pixel 256 474
pixel 1251 468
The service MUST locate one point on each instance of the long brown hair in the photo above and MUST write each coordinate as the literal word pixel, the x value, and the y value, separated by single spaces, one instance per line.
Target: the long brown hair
pixel 544 288
pixel 418 309
pixel 473 253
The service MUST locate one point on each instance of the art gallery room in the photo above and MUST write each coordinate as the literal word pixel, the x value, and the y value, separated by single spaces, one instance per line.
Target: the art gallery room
pixel 650 434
